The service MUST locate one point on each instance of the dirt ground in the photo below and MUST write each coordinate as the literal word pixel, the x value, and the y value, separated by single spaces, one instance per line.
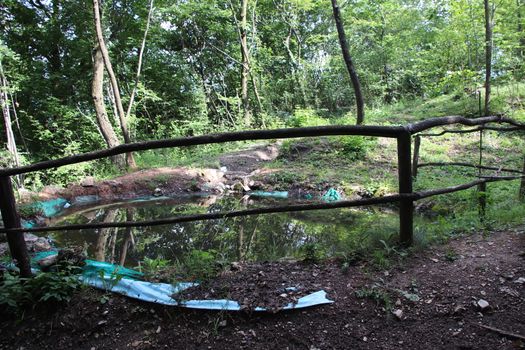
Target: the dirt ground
pixel 235 167
pixel 430 300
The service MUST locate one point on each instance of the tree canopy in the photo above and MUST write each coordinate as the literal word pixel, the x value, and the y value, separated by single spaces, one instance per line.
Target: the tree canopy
pixel 193 62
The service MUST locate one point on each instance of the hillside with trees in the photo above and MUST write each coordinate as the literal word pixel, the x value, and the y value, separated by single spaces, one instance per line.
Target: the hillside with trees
pixel 404 118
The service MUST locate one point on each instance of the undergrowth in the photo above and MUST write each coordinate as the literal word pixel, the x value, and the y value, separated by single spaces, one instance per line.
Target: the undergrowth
pixel 19 294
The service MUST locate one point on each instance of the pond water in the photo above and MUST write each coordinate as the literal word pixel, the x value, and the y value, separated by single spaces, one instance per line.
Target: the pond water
pixel 255 238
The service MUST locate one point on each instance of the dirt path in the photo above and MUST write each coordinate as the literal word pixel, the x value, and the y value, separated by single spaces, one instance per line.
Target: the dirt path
pixel 435 295
pixel 248 160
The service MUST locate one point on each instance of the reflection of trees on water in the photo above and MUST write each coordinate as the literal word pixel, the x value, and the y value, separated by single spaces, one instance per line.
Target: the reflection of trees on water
pixel 128 238
pixel 263 237
pixel 105 234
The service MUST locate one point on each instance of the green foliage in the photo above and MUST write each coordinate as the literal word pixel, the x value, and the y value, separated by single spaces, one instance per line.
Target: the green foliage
pixel 377 294
pixel 451 255
pixel 306 117
pixel 198 265
pixel 283 179
pixel 152 267
pixel 312 252
pixel 18 294
pixel 374 189
pixel 353 147
pixel 405 52
pixel 30 211
pixel 109 281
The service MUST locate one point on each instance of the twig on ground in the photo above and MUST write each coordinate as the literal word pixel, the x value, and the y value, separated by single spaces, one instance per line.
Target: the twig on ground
pixel 501 331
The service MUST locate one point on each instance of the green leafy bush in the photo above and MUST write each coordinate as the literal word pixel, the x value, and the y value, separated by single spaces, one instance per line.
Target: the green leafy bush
pixel 306 117
pixel 199 265
pixel 312 252
pixel 353 147
pixel 17 294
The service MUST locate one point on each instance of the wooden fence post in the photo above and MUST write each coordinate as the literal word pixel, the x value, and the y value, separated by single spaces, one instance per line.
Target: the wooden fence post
pixel 417 145
pixel 406 206
pixel 521 193
pixel 16 241
pixel 482 200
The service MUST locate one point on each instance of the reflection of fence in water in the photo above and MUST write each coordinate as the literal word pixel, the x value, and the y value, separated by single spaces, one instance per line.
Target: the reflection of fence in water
pixel 406 171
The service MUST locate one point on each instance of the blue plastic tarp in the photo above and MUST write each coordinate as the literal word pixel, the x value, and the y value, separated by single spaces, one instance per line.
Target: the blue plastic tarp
pixel 121 280
pixel 161 293
pixel 272 194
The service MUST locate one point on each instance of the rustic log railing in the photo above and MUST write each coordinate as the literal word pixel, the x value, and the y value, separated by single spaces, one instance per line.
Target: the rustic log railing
pixel 407 169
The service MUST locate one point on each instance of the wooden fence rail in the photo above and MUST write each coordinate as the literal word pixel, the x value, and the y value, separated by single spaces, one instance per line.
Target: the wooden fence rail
pixel 407 169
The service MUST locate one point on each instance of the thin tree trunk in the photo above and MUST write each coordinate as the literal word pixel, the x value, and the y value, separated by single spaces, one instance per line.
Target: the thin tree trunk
pixel 245 64
pixel 10 136
pixel 488 55
pixel 241 243
pixel 139 66
pixel 113 80
pixel 97 92
pixel 349 63
pixel 521 47
pixel 255 89
pixel 14 105
pixel 113 106
pixel 522 186
pixel 294 66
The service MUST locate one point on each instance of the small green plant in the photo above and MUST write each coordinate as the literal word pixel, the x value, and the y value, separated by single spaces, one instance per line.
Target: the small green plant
pixel 377 294
pixel 374 189
pixel 152 266
pixel 352 147
pixel 349 258
pixel 286 178
pixel 310 252
pixel 380 259
pixel 451 255
pixel 198 265
pixel 162 178
pixel 30 211
pixel 157 269
pixel 17 294
pixel 108 283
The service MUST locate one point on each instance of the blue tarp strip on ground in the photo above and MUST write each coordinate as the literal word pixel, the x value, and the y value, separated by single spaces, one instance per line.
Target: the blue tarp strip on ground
pixel 119 279
pixel 161 293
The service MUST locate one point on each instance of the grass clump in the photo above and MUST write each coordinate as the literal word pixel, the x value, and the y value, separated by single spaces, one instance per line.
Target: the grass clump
pixel 376 293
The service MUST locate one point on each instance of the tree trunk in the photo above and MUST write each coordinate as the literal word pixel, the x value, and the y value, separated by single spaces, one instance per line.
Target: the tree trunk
pixel 10 136
pixel 113 80
pixel 139 65
pixel 97 92
pixel 294 66
pixel 488 55
pixel 252 76
pixel 349 63
pixel 522 185
pixel 245 71
pixel 521 47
